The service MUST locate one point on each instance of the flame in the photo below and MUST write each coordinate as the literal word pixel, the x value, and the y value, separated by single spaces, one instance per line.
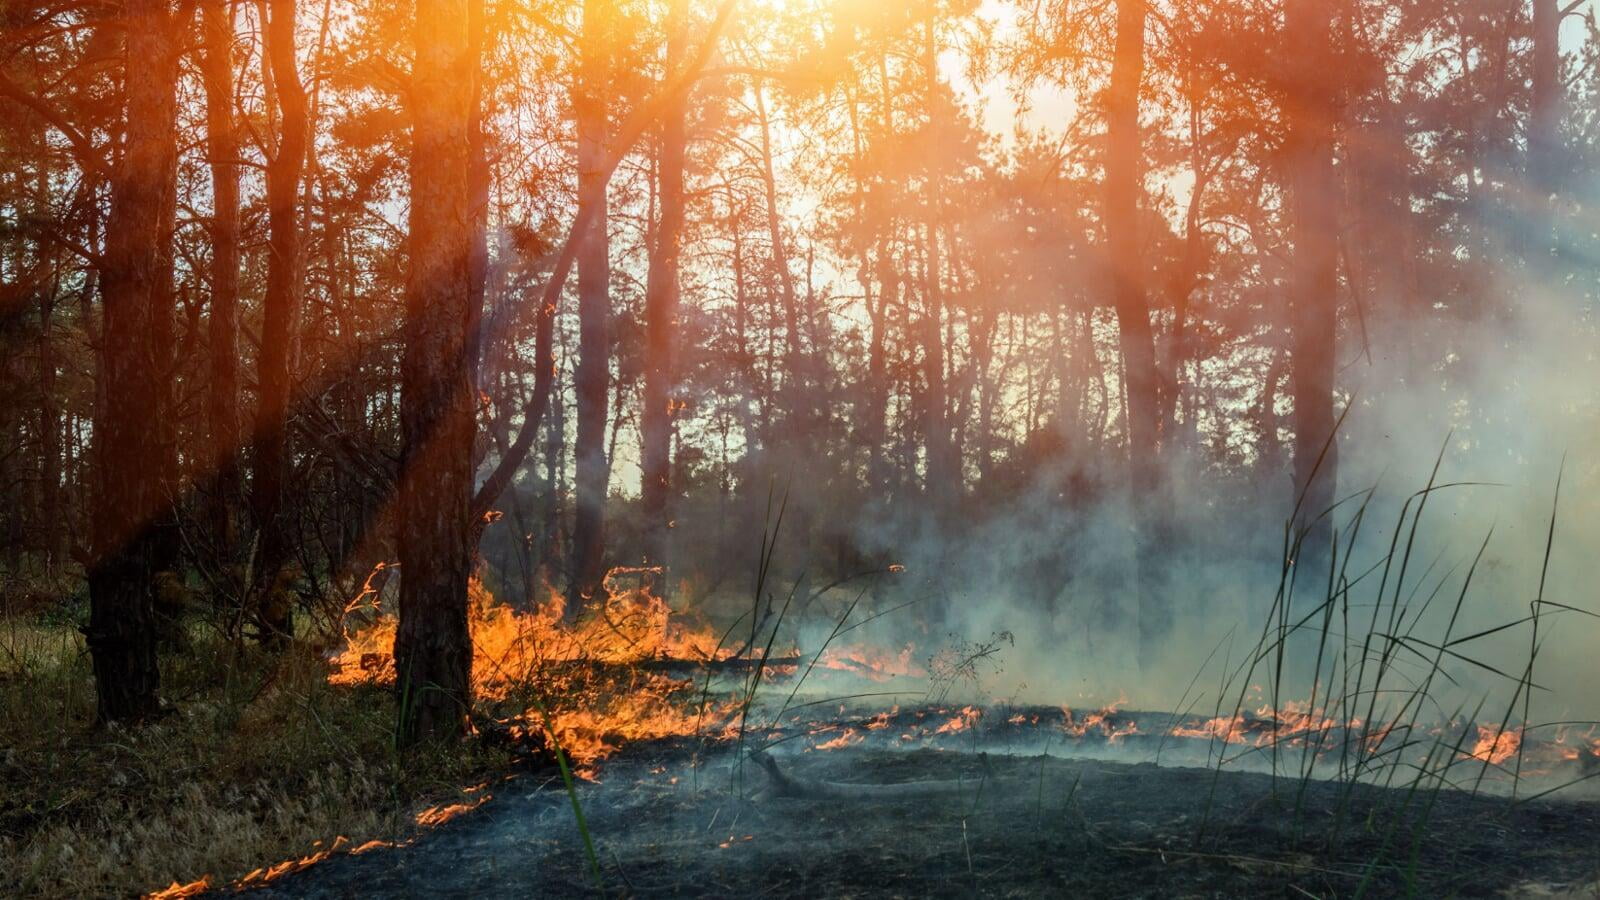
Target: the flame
pixel 881 720
pixel 175 890
pixel 1101 720
pixel 1228 729
pixel 515 651
pixel 438 815
pixel 269 873
pixel 1496 743
pixel 872 662
pixel 962 721
pixel 846 738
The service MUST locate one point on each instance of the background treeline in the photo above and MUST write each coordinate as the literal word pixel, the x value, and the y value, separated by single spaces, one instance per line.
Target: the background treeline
pixel 291 288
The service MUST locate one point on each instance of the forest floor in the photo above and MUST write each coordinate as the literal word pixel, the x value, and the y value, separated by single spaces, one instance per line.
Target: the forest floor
pixel 1020 826
pixel 259 760
pixel 264 776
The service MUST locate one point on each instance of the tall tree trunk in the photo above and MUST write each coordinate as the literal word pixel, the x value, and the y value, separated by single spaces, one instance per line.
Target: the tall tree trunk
pixel 1140 376
pixel 222 399
pixel 280 320
pixel 1544 118
pixel 432 648
pixel 1313 197
pixel 1123 175
pixel 944 470
pixel 795 391
pixel 661 311
pixel 129 503
pixel 593 371
pixel 52 513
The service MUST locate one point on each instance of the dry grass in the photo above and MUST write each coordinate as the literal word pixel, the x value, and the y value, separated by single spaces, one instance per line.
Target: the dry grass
pixel 259 760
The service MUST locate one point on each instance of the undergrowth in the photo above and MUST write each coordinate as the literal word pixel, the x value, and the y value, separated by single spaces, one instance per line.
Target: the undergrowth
pixel 257 760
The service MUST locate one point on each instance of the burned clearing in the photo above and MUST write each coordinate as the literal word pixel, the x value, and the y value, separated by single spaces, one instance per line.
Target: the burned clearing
pixel 1018 825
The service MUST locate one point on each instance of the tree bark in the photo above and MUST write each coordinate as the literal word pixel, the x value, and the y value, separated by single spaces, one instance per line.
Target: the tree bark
pixel 129 503
pixel 1313 197
pixel 222 398
pixel 944 466
pixel 433 649
pixel 592 375
pixel 1544 116
pixel 1122 188
pixel 661 312
pixel 1141 382
pixel 279 326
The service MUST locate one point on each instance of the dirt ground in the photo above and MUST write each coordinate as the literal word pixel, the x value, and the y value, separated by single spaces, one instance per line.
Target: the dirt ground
pixel 1019 826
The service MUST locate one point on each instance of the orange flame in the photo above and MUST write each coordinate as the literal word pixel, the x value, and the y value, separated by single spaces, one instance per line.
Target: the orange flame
pixel 176 890
pixel 1496 743
pixel 514 651
pixel 963 721
pixel 871 662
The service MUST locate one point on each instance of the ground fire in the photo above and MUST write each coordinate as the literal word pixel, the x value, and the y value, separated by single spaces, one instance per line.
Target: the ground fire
pixel 799 448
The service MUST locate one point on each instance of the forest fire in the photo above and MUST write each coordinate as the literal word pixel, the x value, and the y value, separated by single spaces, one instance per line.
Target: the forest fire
pixel 540 656
pixel 799 447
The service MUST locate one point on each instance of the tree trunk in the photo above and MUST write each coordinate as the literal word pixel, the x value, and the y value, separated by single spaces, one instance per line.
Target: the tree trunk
pixel 1140 376
pixel 222 400
pixel 594 309
pixel 1313 197
pixel 796 392
pixel 1122 188
pixel 661 313
pixel 1544 118
pixel 280 319
pixel 129 503
pixel 432 648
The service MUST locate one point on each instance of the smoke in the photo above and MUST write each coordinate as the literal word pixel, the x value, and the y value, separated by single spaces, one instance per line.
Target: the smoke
pixel 1504 407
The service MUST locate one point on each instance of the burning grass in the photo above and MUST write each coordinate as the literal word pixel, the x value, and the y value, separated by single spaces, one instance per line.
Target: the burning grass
pixel 536 673
pixel 260 765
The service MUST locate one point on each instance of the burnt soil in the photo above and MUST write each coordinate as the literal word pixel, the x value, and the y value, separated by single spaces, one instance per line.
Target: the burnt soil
pixel 1023 826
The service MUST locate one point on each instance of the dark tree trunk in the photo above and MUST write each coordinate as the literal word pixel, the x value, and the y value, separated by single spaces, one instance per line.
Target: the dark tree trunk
pixel 944 466
pixel 52 512
pixel 661 313
pixel 222 398
pixel 594 309
pixel 1313 195
pixel 1141 382
pixel 129 503
pixel 1123 175
pixel 280 320
pixel 433 649
pixel 1544 118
